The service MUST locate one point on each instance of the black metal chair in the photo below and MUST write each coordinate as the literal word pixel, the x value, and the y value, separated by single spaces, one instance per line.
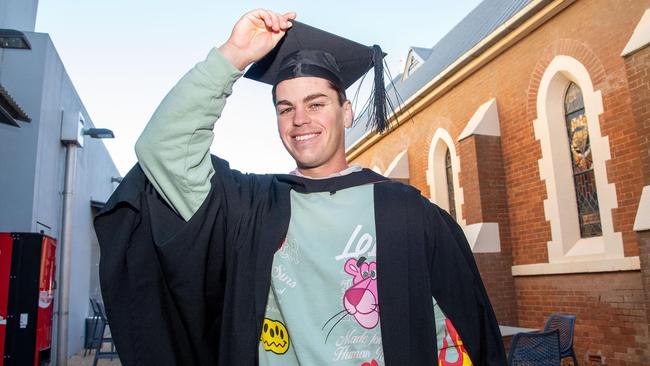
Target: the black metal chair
pixel 91 335
pixel 535 349
pixel 565 324
pixel 99 333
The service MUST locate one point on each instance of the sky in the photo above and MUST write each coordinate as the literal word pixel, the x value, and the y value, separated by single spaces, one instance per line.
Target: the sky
pixel 123 56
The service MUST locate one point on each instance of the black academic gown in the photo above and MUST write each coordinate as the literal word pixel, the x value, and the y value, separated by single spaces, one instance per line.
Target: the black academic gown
pixel 195 292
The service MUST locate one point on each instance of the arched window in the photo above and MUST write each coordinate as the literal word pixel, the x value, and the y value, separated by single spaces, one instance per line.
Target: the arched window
pixel 583 237
pixel 442 175
pixel 450 184
pixel 582 162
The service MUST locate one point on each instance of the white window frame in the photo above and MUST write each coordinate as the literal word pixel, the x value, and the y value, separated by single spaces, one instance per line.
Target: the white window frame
pixel 437 176
pixel 567 251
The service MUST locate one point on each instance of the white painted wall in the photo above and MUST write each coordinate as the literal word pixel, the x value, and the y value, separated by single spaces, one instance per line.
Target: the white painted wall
pixel 18 14
pixel 33 163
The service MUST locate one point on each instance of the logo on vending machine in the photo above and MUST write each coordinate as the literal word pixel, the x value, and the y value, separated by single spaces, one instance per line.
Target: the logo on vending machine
pixel 44 299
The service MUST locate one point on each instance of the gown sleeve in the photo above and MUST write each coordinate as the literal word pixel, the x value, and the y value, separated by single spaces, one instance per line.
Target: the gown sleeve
pixel 167 232
pixel 457 286
pixel 163 279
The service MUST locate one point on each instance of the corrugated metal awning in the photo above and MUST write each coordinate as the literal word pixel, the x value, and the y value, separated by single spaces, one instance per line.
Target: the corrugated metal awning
pixel 10 111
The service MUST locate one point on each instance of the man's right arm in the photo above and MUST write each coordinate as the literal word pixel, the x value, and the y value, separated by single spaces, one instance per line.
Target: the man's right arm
pixel 174 148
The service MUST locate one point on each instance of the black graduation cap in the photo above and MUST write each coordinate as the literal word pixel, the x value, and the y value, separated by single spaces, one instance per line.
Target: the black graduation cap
pixel 309 51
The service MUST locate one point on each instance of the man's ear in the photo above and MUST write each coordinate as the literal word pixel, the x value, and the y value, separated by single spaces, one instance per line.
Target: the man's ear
pixel 349 114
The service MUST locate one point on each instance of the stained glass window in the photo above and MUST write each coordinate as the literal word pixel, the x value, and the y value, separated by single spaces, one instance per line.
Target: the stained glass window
pixel 450 185
pixel 583 171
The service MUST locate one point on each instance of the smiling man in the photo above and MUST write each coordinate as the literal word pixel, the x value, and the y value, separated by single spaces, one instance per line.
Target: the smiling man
pixel 311 123
pixel 330 265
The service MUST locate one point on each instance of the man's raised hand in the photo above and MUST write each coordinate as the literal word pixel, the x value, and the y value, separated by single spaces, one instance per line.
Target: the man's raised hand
pixel 254 35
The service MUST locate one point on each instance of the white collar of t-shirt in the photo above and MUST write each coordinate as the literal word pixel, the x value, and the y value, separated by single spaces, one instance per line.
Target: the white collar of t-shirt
pixel 351 169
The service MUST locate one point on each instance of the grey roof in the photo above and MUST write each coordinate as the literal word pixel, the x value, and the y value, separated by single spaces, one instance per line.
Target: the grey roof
pixel 478 24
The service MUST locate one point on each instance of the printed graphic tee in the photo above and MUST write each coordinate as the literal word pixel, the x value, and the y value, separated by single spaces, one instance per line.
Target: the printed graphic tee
pixel 323 306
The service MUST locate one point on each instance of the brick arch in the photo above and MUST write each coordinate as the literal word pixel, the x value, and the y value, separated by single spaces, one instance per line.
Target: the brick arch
pixel 565 47
pixel 442 140
pixel 429 130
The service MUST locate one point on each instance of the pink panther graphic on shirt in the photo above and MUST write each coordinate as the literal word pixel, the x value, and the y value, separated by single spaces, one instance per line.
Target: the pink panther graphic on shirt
pixel 360 300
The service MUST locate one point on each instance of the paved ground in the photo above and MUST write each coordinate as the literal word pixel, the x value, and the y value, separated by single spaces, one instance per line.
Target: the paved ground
pixel 80 360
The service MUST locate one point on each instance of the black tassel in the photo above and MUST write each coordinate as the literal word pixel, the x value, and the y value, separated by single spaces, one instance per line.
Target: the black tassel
pixel 378 111
pixel 378 106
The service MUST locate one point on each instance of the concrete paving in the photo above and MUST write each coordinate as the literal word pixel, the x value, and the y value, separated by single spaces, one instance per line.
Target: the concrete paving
pixel 80 360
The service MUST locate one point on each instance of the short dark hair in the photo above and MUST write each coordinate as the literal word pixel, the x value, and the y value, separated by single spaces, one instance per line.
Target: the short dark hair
pixel 339 92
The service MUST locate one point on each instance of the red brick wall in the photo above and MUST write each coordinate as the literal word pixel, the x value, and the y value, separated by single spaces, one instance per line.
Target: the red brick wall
pixel 644 257
pixel 610 306
pixel 482 179
pixel 469 179
pixel 637 67
pixel 610 310
pixel 494 205
pixel 498 281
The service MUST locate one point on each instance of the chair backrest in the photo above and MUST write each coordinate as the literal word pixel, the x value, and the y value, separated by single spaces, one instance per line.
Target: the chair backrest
pixel 98 309
pixel 93 306
pixel 102 311
pixel 538 349
pixel 565 324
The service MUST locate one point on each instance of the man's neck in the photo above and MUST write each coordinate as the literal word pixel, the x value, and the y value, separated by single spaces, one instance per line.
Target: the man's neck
pixel 308 173
pixel 333 166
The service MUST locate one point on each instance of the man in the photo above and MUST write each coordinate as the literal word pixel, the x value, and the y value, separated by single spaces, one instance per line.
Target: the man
pixel 332 265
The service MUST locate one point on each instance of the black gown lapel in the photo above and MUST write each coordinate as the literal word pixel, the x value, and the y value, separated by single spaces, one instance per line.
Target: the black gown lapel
pixel 272 232
pixel 405 304
pixel 392 281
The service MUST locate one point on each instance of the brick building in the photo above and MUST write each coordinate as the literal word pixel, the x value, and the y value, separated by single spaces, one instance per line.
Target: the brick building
pixel 530 122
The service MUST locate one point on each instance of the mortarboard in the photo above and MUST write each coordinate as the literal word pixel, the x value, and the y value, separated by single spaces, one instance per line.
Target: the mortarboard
pixel 309 51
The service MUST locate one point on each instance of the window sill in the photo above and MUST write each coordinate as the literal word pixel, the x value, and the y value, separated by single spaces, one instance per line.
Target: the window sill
pixel 603 265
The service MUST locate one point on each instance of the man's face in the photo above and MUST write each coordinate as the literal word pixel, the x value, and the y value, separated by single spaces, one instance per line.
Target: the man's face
pixel 312 123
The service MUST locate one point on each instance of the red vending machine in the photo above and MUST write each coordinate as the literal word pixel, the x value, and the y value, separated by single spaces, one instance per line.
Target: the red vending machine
pixel 27 264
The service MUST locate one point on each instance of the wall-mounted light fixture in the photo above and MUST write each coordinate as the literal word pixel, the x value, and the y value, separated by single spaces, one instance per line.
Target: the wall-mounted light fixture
pixel 99 133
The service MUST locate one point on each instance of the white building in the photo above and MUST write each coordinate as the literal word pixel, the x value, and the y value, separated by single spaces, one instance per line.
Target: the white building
pixel 35 87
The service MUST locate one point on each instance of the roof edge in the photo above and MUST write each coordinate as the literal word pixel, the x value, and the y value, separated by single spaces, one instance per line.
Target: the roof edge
pixel 518 26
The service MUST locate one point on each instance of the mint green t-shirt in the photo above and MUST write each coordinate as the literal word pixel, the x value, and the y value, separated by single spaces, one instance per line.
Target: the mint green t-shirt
pixel 323 305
